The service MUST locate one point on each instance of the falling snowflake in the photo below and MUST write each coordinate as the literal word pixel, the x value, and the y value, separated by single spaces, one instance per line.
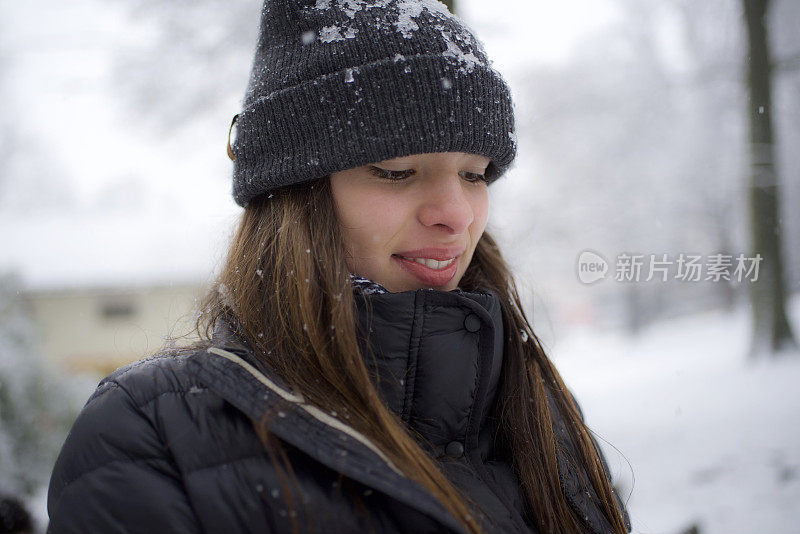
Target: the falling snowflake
pixel 308 37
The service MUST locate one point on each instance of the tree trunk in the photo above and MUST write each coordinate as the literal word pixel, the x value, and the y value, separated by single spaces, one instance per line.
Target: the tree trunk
pixel 771 332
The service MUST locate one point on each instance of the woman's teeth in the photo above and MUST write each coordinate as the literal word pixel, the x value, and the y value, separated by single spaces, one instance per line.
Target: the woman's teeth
pixel 433 264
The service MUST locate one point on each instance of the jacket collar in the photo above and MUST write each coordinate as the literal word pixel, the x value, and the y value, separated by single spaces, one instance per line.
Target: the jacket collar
pixel 435 356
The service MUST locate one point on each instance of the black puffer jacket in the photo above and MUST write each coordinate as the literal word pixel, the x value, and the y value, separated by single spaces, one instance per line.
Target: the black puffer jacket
pixel 166 444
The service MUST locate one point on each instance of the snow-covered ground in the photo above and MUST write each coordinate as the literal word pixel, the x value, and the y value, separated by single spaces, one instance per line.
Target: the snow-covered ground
pixel 712 438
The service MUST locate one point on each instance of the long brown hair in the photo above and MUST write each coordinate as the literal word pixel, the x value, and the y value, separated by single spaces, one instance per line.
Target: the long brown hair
pixel 286 281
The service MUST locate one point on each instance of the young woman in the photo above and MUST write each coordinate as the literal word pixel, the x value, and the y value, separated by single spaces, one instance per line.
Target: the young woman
pixel 365 364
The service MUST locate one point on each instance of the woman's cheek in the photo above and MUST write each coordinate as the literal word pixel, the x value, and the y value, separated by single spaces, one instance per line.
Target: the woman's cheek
pixel 481 210
pixel 386 213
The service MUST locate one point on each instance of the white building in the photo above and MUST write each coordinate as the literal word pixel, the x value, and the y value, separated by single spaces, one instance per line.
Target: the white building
pixel 98 329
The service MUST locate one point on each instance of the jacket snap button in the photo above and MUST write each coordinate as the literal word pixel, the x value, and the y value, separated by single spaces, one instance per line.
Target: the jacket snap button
pixel 454 449
pixel 472 323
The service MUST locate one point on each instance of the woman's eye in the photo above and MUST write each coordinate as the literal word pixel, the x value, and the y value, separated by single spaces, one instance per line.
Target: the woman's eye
pixel 390 175
pixel 472 176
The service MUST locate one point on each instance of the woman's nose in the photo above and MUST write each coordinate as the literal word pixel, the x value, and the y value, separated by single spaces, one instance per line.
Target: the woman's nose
pixel 445 203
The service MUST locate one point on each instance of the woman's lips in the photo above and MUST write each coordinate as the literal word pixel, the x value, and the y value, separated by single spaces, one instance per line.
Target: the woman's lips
pixel 434 253
pixel 425 274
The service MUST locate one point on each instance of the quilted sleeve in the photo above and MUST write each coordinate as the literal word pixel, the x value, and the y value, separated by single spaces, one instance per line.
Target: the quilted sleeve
pixel 114 474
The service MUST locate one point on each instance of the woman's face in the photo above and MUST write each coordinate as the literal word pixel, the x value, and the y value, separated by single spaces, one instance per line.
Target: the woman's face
pixel 413 222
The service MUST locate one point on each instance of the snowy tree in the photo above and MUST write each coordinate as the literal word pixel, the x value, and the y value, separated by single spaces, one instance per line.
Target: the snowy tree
pixel 631 158
pixel 638 145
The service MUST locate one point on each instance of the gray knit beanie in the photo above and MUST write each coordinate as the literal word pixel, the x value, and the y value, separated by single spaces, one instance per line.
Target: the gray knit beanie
pixel 336 84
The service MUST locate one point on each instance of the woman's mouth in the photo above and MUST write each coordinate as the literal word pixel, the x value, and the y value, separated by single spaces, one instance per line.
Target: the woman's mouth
pixel 436 265
pixel 429 271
